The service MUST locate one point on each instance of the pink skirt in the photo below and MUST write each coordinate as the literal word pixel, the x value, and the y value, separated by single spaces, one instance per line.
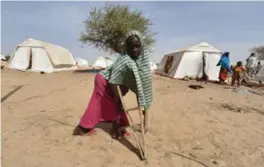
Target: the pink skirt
pixel 102 106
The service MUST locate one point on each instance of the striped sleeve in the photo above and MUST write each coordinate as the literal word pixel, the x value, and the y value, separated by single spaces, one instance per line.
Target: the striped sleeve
pixel 118 72
pixel 140 93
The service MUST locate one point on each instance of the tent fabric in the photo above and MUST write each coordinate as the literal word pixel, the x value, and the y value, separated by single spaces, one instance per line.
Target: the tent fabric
pixel 201 47
pixel 81 62
pixel 57 54
pixel 103 62
pixel 3 57
pixel 35 55
pixel 189 62
pixel 153 66
pixel 40 60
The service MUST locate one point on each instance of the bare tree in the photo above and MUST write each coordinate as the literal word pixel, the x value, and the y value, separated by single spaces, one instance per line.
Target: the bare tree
pixel 105 23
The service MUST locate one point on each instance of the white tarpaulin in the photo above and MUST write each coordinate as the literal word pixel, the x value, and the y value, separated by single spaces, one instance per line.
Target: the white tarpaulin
pixel 189 62
pixel 34 55
pixel 81 62
pixel 3 57
pixel 103 62
pixel 153 66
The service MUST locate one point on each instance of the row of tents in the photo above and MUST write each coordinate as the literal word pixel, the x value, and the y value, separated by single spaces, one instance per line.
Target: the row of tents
pixel 34 55
pixel 39 56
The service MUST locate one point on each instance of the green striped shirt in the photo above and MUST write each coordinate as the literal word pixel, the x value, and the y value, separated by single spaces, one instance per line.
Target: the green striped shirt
pixel 135 74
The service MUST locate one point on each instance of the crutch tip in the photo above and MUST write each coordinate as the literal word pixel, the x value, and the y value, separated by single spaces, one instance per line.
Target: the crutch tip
pixel 143 159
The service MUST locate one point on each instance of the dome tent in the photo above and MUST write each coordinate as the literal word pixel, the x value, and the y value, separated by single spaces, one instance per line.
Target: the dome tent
pixel 38 56
pixel 189 62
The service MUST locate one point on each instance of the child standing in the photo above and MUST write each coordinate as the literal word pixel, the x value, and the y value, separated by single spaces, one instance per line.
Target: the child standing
pixel 237 72
pixel 258 68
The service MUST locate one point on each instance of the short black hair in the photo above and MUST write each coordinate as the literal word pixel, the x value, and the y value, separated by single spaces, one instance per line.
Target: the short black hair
pixel 239 63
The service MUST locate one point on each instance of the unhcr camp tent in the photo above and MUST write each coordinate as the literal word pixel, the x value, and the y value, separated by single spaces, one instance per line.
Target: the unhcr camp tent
pixel 81 62
pixel 103 62
pixel 190 62
pixel 3 58
pixel 36 56
pixel 260 74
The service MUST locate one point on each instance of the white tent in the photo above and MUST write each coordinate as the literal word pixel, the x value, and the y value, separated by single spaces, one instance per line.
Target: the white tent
pixel 36 56
pixel 189 62
pixel 81 62
pixel 3 58
pixel 153 66
pixel 260 74
pixel 103 62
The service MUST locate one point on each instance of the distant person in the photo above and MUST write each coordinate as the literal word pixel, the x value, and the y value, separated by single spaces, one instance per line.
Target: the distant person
pixel 251 64
pixel 259 66
pixel 224 64
pixel 237 73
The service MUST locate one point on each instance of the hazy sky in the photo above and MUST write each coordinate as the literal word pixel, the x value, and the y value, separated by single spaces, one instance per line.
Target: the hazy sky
pixel 229 26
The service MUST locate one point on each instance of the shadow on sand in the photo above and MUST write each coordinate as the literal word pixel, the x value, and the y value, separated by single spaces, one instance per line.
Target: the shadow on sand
pixel 107 127
pixel 10 93
pixel 92 71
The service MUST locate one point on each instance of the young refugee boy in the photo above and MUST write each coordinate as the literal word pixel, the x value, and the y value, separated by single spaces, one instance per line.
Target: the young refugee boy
pixel 238 71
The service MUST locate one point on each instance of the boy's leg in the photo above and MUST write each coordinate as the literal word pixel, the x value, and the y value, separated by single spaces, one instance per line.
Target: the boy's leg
pixel 233 79
pixel 238 80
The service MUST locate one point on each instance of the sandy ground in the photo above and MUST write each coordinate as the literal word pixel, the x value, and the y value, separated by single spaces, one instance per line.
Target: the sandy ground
pixel 188 128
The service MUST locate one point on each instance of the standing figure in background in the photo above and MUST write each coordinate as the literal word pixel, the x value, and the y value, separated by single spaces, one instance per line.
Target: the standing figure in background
pixel 251 64
pixel 238 71
pixel 258 68
pixel 224 64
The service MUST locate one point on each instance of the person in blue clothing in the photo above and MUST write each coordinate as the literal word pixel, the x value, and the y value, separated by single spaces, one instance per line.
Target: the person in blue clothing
pixel 224 64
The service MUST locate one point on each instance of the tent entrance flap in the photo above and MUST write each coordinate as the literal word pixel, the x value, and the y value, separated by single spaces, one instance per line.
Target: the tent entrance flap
pixel 204 76
pixel 20 62
pixel 41 60
pixel 30 59
pixel 168 64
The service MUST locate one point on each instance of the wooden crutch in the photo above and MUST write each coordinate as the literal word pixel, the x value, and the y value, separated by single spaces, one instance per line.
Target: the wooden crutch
pixel 143 125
